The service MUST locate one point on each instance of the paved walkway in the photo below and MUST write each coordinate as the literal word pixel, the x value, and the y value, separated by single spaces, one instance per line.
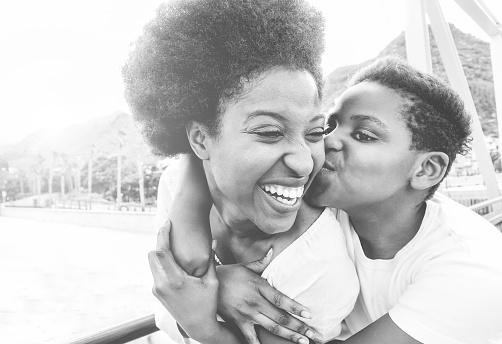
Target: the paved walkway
pixel 62 280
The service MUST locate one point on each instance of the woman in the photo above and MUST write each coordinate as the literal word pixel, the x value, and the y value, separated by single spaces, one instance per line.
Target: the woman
pixel 238 84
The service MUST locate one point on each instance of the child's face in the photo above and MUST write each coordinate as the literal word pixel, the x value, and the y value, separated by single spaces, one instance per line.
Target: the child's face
pixel 368 156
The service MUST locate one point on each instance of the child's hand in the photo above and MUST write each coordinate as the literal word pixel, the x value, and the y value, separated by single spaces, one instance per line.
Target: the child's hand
pixel 190 300
pixel 247 299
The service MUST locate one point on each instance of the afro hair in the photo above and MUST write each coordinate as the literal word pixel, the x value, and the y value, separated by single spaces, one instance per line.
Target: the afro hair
pixel 196 54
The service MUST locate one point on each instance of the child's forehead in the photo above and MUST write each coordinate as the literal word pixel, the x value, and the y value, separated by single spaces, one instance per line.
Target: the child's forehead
pixel 371 103
pixel 369 97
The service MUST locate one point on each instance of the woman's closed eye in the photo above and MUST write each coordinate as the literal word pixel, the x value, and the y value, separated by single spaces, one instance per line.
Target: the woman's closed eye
pixel 316 134
pixel 268 134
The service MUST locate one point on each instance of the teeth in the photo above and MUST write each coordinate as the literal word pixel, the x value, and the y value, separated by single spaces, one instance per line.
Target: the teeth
pixel 284 194
pixel 280 190
pixel 294 193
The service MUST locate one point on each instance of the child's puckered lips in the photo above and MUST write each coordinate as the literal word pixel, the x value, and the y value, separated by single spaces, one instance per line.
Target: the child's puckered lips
pixel 329 163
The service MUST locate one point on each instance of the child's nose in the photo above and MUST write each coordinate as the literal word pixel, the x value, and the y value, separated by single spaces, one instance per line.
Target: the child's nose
pixel 332 141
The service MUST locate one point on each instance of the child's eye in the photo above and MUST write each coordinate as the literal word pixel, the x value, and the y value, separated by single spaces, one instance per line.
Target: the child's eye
pixel 363 136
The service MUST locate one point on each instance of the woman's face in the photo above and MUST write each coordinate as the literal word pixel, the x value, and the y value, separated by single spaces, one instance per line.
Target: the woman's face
pixel 269 148
pixel 368 156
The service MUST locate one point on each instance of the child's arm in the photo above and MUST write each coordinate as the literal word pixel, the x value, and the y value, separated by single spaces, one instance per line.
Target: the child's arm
pixel 189 215
pixel 191 301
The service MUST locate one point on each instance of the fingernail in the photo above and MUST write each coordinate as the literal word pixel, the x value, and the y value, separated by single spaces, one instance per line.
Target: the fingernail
pixel 303 341
pixel 306 314
pixel 310 334
pixel 213 245
pixel 159 254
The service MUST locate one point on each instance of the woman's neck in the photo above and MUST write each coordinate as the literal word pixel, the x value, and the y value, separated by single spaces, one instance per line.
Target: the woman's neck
pixel 384 231
pixel 248 243
pixel 237 240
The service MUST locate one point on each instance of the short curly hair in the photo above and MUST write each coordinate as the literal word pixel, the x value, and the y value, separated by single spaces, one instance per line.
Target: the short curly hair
pixel 196 54
pixel 433 111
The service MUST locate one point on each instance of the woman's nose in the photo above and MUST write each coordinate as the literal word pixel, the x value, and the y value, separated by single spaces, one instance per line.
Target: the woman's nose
pixel 300 159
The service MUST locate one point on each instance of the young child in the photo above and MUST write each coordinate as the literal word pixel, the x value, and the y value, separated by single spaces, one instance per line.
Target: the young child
pixel 430 269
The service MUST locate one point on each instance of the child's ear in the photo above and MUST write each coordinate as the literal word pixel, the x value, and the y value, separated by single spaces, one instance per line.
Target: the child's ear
pixel 430 170
pixel 198 138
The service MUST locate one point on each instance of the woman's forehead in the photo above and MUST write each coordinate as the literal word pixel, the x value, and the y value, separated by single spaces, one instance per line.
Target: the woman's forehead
pixel 275 89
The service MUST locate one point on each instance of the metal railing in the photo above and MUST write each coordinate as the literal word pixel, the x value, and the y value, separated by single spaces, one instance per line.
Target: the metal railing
pixel 495 217
pixel 118 334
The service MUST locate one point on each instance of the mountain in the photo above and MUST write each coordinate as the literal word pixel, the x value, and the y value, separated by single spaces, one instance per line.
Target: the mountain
pixel 102 134
pixel 475 57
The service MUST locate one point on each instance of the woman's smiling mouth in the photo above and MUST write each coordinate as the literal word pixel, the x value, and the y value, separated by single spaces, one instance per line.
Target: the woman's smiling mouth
pixel 283 194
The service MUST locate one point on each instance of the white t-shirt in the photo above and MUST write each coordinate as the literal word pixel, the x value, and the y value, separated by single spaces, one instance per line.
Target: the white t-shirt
pixel 315 270
pixel 444 286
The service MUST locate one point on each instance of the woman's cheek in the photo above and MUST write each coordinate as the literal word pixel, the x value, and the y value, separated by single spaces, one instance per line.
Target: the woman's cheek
pixel 318 156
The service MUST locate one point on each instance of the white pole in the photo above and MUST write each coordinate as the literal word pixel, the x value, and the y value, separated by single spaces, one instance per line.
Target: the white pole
pixel 496 54
pixel 458 81
pixel 418 49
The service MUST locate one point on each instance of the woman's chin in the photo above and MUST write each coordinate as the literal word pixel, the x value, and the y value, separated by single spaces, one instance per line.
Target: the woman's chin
pixel 279 226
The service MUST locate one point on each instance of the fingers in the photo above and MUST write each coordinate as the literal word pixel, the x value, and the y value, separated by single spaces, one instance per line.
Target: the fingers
pixel 162 264
pixel 249 333
pixel 283 319
pixel 280 300
pixel 210 275
pixel 258 266
pixel 163 236
pixel 281 331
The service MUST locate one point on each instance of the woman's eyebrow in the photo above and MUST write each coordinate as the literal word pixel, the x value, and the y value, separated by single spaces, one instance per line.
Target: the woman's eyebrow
pixel 366 118
pixel 260 113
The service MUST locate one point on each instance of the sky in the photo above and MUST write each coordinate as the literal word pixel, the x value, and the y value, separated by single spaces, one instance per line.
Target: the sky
pixel 60 62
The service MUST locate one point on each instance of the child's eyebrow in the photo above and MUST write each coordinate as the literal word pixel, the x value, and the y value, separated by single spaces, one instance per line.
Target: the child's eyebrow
pixel 366 118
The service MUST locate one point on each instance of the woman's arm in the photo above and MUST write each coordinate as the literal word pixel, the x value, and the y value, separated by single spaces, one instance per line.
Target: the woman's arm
pixel 189 216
